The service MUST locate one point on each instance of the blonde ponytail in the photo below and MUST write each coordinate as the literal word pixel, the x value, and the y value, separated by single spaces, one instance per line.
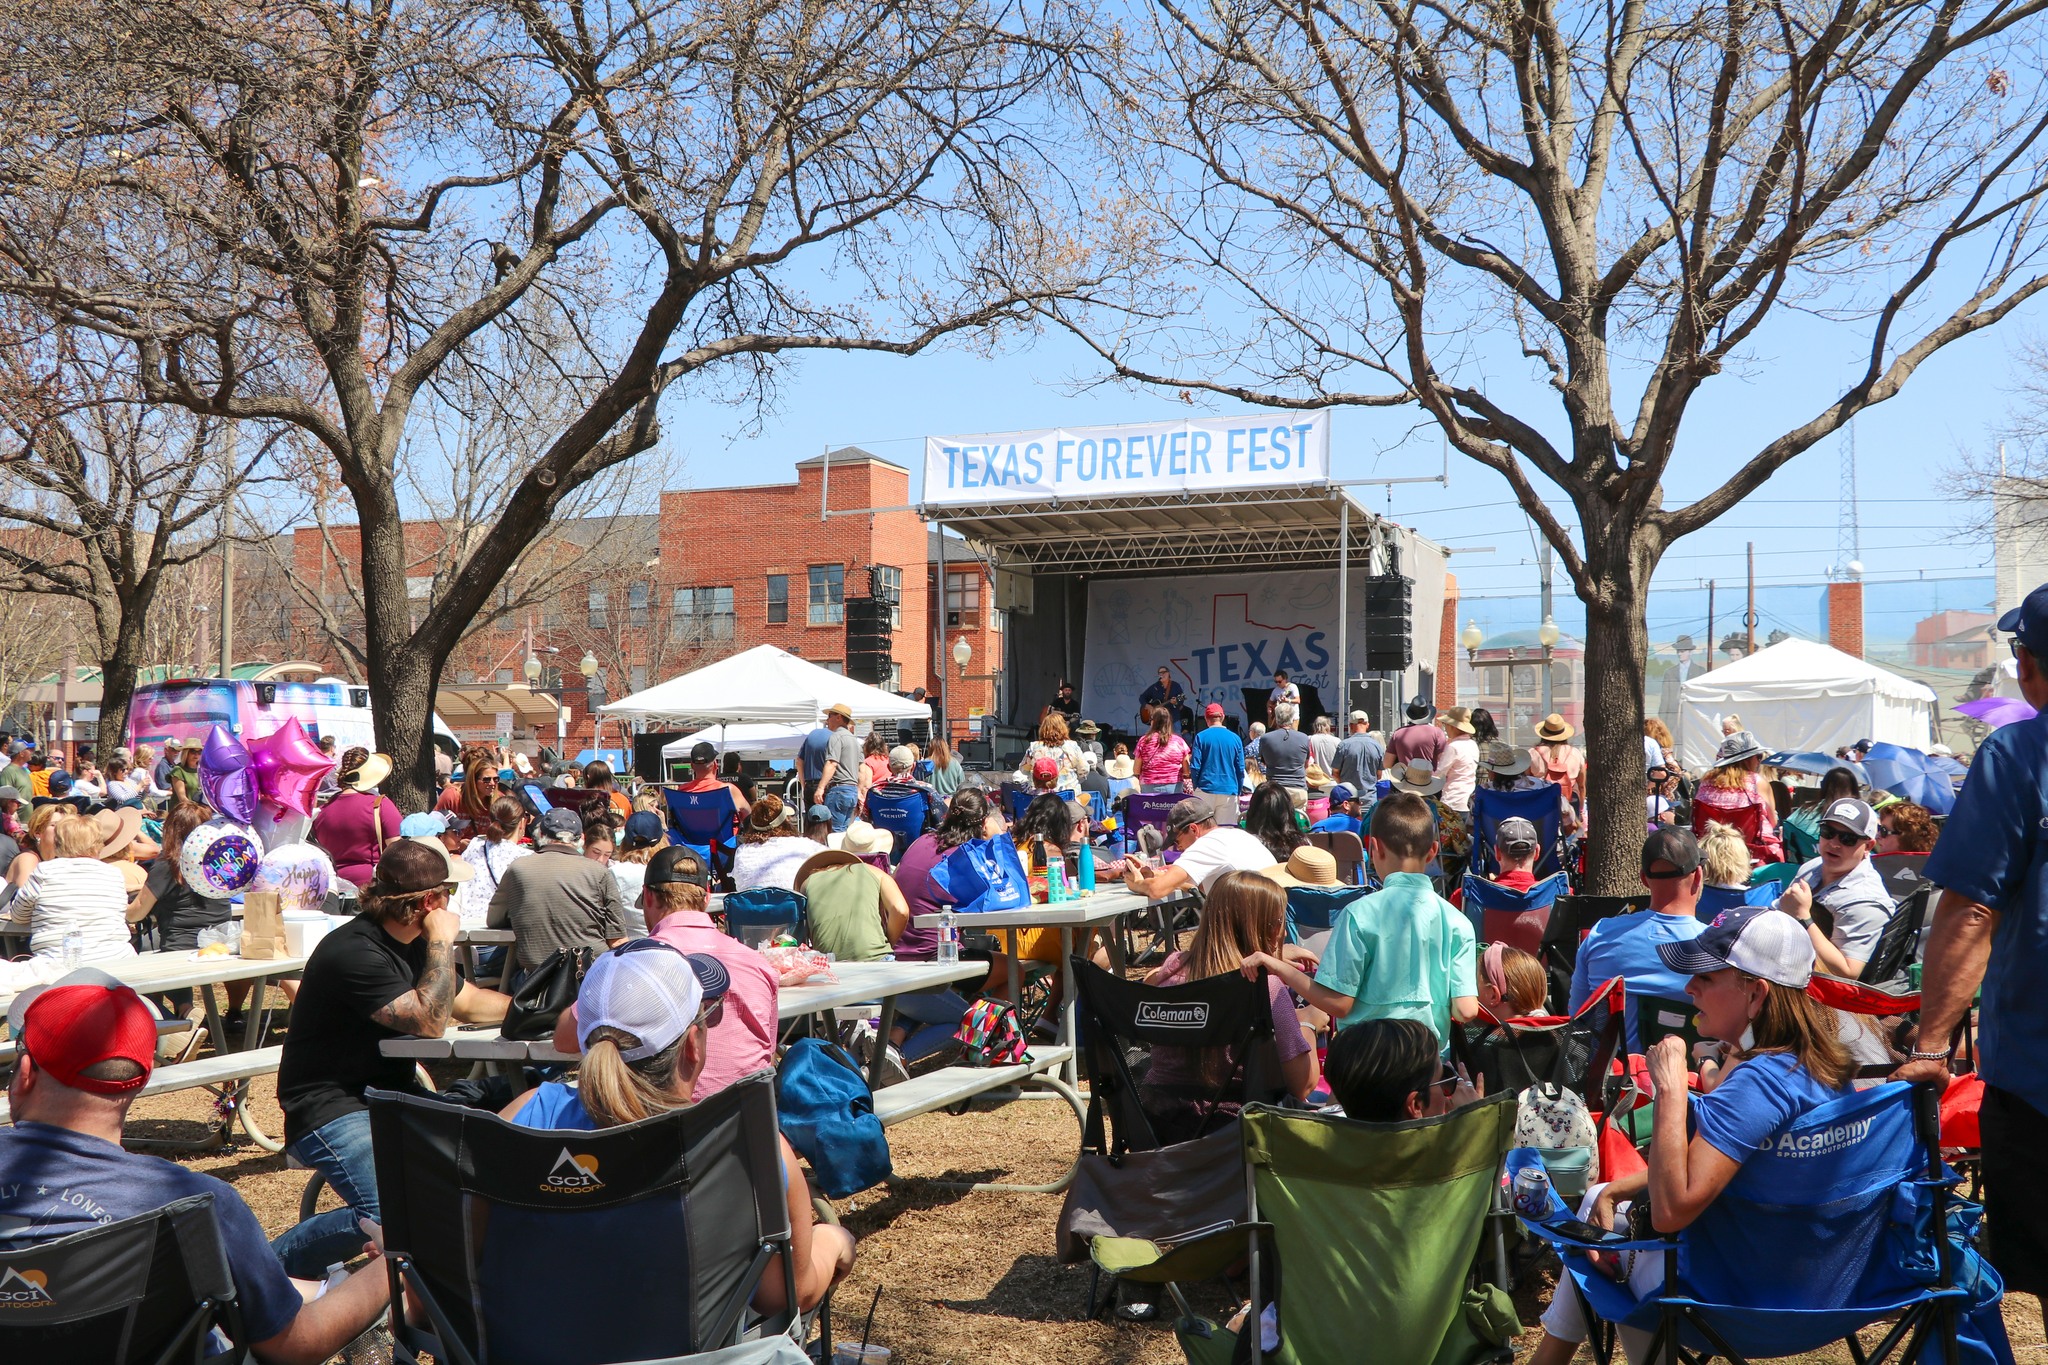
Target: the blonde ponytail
pixel 616 1091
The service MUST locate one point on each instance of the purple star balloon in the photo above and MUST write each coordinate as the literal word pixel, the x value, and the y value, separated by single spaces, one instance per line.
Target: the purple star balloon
pixel 225 776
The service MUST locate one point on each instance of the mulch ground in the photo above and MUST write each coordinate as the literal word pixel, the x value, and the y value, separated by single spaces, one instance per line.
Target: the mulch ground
pixel 966 1279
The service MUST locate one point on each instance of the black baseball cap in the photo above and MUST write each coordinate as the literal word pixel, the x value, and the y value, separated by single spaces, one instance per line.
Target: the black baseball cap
pixel 1674 846
pixel 2028 622
pixel 703 751
pixel 676 864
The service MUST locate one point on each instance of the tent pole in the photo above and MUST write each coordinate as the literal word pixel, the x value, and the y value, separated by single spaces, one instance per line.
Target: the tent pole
pixel 945 726
pixel 1342 705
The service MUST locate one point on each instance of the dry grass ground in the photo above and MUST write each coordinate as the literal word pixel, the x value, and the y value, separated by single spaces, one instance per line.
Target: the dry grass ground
pixel 967 1279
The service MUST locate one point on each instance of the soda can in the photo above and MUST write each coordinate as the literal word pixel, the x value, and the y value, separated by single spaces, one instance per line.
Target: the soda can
pixel 1532 1192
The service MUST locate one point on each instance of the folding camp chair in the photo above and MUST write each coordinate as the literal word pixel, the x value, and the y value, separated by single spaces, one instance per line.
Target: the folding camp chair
pixel 1349 851
pixel 1368 1232
pixel 1658 1016
pixel 1715 899
pixel 481 1217
pixel 1312 911
pixel 903 815
pixel 1847 1221
pixel 1777 874
pixel 1128 1182
pixel 1870 1000
pixel 1577 1051
pixel 1016 800
pixel 1903 873
pixel 1142 809
pixel 1540 806
pixel 1898 945
pixel 1748 821
pixel 148 1288
pixel 1500 914
pixel 1571 919
pixel 756 917
pixel 707 822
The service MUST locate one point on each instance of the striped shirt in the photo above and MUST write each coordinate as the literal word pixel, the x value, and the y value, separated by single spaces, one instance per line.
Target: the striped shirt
pixel 75 894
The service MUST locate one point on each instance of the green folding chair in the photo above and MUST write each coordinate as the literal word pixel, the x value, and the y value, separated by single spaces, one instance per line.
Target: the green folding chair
pixel 1367 1233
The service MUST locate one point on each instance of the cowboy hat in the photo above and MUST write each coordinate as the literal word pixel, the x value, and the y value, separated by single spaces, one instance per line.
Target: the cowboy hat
pixel 1737 748
pixel 863 840
pixel 1460 719
pixel 1418 775
pixel 1120 768
pixel 841 710
pixel 1306 866
pixel 1087 727
pixel 374 770
pixel 1506 760
pixel 1554 729
pixel 819 861
pixel 118 826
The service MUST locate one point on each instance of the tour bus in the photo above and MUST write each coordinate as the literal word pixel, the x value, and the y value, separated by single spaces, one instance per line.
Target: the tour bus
pixel 188 708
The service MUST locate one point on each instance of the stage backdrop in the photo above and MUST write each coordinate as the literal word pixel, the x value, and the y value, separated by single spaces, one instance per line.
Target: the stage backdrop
pixel 1219 633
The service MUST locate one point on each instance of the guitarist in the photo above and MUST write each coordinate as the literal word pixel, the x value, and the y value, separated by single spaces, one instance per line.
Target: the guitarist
pixel 1166 694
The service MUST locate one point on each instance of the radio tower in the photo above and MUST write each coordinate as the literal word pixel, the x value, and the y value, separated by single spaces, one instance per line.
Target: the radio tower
pixel 1849 533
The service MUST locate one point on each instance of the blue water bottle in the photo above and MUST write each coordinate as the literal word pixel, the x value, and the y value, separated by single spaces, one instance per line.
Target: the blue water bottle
pixel 1087 869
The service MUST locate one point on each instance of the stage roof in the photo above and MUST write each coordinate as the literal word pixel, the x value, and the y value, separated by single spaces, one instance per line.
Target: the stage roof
pixel 1279 528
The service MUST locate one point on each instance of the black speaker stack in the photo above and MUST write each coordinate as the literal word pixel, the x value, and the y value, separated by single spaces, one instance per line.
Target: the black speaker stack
pixel 1389 623
pixel 869 635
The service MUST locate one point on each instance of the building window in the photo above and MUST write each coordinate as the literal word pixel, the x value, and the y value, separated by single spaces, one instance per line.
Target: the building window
pixel 639 677
pixel 828 594
pixel 778 599
pixel 636 604
pixel 600 614
pixel 419 587
pixel 832 665
pixel 703 615
pixel 963 599
pixel 504 677
pixel 888 585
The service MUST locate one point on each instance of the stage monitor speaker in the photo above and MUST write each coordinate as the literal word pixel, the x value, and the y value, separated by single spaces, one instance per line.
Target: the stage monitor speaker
pixel 1389 623
pixel 1379 699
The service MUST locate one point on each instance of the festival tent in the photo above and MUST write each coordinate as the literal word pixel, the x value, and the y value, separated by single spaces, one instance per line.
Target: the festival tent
pixel 1798 694
pixel 762 685
pixel 765 742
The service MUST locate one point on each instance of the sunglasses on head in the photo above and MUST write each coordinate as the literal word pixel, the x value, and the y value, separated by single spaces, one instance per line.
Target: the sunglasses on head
pixel 1840 835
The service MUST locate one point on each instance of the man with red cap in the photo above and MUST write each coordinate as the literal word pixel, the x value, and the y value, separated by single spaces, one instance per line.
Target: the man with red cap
pixel 1216 760
pixel 88 1044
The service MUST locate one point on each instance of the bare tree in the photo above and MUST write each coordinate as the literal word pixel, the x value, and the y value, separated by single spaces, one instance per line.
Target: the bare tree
pixel 117 497
pixel 326 208
pixel 1551 226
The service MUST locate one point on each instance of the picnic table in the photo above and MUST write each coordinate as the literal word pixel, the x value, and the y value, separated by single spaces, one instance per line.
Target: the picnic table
pixel 230 1069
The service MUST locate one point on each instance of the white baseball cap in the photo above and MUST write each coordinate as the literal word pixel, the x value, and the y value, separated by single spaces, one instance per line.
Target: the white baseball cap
pixel 1758 939
pixel 650 989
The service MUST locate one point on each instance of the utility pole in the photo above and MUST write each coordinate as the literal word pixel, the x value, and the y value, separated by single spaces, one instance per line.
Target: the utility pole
pixel 227 553
pixel 1749 616
pixel 1548 703
pixel 1710 625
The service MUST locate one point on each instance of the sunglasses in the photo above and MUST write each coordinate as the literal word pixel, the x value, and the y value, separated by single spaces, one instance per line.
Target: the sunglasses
pixel 1886 832
pixel 1840 836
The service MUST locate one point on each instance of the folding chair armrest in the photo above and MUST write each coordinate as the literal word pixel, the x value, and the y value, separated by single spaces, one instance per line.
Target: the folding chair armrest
pixel 1205 1256
pixel 1547 1230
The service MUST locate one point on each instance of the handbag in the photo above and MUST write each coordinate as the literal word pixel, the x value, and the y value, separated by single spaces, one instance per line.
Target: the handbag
pixel 547 990
pixel 982 875
pixel 828 1114
pixel 991 1034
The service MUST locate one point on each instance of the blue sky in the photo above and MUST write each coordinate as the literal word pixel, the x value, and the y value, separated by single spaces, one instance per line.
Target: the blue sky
pixel 1911 526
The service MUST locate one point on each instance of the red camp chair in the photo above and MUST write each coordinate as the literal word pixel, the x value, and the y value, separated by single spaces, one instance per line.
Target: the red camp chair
pixel 1748 821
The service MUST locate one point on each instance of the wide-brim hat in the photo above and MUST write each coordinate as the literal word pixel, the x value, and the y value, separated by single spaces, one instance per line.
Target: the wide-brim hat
pixel 864 840
pixel 819 861
pixel 373 771
pixel 1739 747
pixel 1506 760
pixel 1419 776
pixel 1306 866
pixel 118 827
pixel 1555 728
pixel 1459 719
pixel 1119 768
pixel 841 710
pixel 1087 727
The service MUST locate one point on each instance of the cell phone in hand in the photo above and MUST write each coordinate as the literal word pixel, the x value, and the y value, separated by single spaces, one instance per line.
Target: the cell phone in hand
pixel 1580 1230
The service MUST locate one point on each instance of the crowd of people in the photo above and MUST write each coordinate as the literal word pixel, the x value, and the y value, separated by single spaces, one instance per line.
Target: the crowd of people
pixel 1742 906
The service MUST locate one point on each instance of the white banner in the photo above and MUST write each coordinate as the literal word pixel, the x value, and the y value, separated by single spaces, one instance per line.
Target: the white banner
pixel 1218 633
pixel 1200 455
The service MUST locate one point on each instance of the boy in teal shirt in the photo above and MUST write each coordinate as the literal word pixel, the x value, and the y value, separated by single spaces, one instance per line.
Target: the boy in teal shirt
pixel 1401 953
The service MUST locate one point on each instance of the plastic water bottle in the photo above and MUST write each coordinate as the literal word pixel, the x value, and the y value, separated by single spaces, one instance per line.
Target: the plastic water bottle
pixel 949 937
pixel 336 1273
pixel 1087 871
pixel 74 950
pixel 1056 882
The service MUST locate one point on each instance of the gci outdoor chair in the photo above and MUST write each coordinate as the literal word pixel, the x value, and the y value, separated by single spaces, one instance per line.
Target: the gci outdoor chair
pixel 1366 1233
pixel 1540 806
pixel 1848 1222
pixel 903 815
pixel 706 823
pixel 151 1288
pixel 494 1229
pixel 1501 914
pixel 1128 1184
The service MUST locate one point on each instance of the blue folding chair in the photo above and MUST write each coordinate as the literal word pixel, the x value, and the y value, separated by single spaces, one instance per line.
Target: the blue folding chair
pixel 1015 802
pixel 1715 899
pixel 755 917
pixel 1540 806
pixel 1500 914
pixel 707 823
pixel 1848 1220
pixel 902 814
pixel 1314 909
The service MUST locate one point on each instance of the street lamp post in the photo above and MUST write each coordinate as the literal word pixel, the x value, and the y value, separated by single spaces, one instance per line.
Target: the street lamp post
pixel 587 666
pixel 1547 635
pixel 963 654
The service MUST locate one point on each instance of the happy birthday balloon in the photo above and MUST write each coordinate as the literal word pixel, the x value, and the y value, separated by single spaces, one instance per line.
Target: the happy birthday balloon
pixel 225 776
pixel 220 858
pixel 289 766
pixel 300 874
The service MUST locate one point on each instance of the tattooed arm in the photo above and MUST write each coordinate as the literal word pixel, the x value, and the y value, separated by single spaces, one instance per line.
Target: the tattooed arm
pixel 426 1009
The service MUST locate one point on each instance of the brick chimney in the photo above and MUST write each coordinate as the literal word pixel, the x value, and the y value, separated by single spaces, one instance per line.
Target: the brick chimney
pixel 1447 647
pixel 1845 616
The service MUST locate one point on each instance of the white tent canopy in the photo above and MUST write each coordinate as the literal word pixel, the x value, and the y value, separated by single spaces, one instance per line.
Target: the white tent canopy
pixel 766 742
pixel 762 685
pixel 1800 695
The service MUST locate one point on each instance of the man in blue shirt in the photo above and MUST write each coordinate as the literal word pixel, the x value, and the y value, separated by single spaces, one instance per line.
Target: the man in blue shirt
pixel 1991 927
pixel 1217 760
pixel 1360 757
pixel 88 1044
pixel 1343 816
pixel 1626 945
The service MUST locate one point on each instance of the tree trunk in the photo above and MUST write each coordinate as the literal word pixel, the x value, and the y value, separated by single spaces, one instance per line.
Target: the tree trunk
pixel 117 684
pixel 1617 645
pixel 404 686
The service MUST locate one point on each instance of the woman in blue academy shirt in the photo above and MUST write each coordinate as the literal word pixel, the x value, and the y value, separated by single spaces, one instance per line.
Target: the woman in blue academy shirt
pixel 643 1015
pixel 1779 1059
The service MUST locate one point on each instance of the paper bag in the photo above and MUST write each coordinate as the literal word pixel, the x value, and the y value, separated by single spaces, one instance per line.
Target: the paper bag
pixel 263 925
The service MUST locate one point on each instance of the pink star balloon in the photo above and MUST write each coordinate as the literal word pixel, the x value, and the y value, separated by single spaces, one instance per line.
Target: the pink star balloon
pixel 289 766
